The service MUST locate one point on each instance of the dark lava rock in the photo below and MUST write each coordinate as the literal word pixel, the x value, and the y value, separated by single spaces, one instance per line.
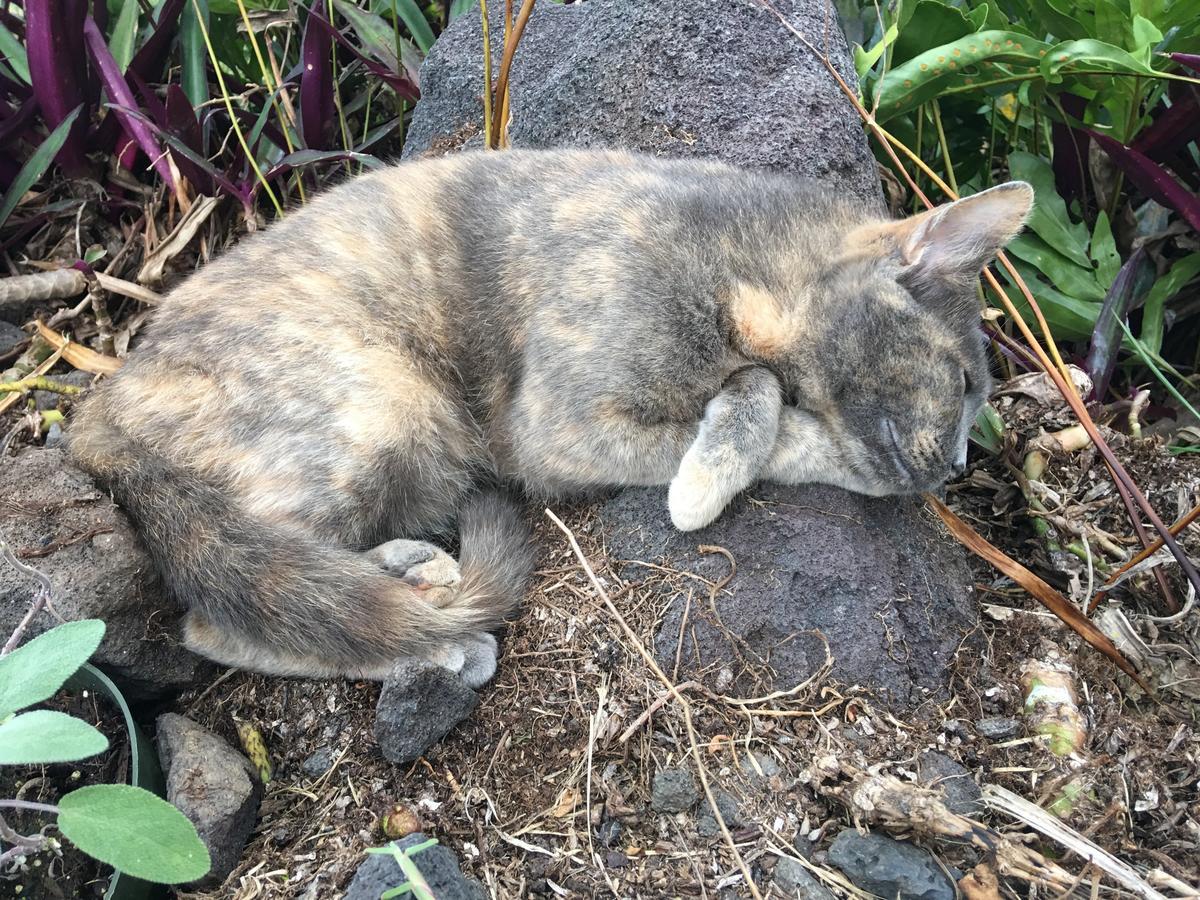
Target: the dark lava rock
pixel 707 825
pixel 10 336
pixel 704 78
pixel 963 796
pixel 877 577
pixel 793 880
pixel 317 763
pixel 48 506
pixel 998 728
pixel 379 872
pixel 213 785
pixel 673 790
pixel 419 704
pixel 889 868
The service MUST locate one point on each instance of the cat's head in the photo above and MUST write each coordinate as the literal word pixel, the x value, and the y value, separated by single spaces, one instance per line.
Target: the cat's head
pixel 889 352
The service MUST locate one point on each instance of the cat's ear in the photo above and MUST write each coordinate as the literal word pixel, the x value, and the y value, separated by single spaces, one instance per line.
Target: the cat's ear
pixel 956 240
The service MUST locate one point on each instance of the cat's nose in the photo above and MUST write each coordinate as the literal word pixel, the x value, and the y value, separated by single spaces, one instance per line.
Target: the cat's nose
pixel 957 468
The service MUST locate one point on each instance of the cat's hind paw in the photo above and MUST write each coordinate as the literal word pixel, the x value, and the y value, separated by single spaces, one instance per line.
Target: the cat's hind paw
pixel 695 497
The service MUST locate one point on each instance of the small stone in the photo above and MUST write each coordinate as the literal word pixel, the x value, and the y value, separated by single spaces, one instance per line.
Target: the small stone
pixel 673 790
pixel 792 879
pixel 998 728
pixel 766 764
pixel 609 832
pixel 707 825
pixel 939 771
pixel 10 336
pixel 317 763
pixel 614 859
pixel 889 868
pixel 380 872
pixel 55 438
pixel 214 786
pixel 419 704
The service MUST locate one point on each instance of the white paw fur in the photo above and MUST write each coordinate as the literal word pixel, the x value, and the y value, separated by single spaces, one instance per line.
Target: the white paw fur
pixel 472 658
pixel 696 497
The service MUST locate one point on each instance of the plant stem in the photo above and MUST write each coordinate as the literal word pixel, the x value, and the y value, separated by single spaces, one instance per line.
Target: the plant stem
pixel 233 120
pixel 488 137
pixel 937 121
pixel 30 805
pixel 42 598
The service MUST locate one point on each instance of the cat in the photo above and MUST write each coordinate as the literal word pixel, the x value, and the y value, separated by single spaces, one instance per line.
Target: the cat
pixel 415 345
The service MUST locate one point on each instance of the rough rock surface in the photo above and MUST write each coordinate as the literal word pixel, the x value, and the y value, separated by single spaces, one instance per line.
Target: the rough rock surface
pixel 673 790
pixel 96 567
pixel 706 823
pixel 379 873
pixel 889 868
pixel 877 578
pixel 213 785
pixel 963 796
pixel 419 704
pixel 792 879
pixel 706 78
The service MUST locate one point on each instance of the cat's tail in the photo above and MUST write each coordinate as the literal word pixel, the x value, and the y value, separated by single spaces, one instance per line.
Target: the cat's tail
pixel 264 597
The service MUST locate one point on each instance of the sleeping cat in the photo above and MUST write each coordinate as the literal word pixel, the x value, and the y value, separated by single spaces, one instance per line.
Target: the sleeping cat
pixel 306 411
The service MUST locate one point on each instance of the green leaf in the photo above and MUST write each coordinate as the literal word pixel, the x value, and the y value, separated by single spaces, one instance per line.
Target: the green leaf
pixel 1063 20
pixel 36 670
pixel 458 7
pixel 864 60
pixel 1069 318
pixel 412 17
pixel 124 34
pixel 134 832
pixel 1068 276
pixel 961 63
pixel 1112 25
pixel 1104 251
pixel 14 54
pixel 933 24
pixel 1145 33
pixel 37 164
pixel 1049 219
pixel 1072 57
pixel 379 39
pixel 1166 287
pixel 193 54
pixel 46 736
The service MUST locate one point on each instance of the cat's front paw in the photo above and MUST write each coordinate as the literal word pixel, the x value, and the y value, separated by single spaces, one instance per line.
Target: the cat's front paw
pixel 696 496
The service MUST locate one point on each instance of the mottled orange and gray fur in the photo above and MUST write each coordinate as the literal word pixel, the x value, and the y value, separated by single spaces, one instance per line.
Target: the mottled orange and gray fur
pixel 386 362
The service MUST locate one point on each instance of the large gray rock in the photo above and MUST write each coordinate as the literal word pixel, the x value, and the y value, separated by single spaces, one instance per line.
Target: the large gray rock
pixel 886 867
pixel 97 569
pixel 673 790
pixel 380 872
pixel 419 704
pixel 707 78
pixel 878 578
pixel 214 786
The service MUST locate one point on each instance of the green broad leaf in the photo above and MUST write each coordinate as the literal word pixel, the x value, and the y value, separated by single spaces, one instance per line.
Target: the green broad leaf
pixel 1064 20
pixel 135 832
pixel 1065 274
pixel 410 14
pixel 959 65
pixel 1113 26
pixel 37 669
pixel 458 7
pixel 933 24
pixel 37 164
pixel 192 52
pixel 46 736
pixel 380 40
pixel 1146 34
pixel 1090 57
pixel 1069 318
pixel 1104 251
pixel 124 34
pixel 1166 287
pixel 13 53
pixel 1049 219
pixel 864 60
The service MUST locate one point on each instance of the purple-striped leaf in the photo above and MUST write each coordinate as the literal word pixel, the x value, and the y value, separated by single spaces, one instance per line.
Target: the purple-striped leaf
pixel 1175 128
pixel 182 124
pixel 1151 178
pixel 53 44
pixel 149 59
pixel 121 96
pixel 316 80
pixel 399 82
pixel 1191 60
pixel 1131 283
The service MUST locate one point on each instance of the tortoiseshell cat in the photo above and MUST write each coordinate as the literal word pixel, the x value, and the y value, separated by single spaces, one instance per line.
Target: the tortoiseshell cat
pixel 391 359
